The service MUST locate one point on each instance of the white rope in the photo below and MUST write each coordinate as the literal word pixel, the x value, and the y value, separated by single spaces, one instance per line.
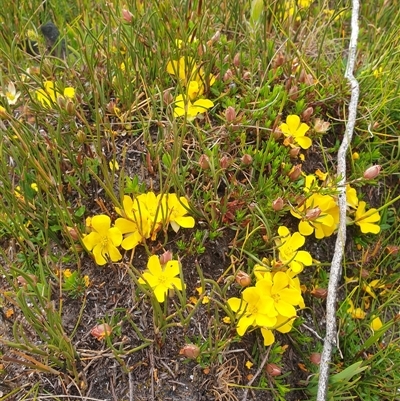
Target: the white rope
pixel 336 266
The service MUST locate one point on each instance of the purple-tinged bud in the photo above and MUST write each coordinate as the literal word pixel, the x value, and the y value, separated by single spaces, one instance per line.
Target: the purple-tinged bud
pixel 307 113
pixel 127 16
pixel 295 172
pixel 294 152
pixel 243 279
pixel 190 351
pixel 228 76
pixel 246 159
pixel 273 369
pixel 293 92
pixel 372 172
pixel 278 204
pixel 224 161
pixel 246 75
pixel 236 60
pixel 313 213
pixel 204 162
pixel 230 114
pixel 165 257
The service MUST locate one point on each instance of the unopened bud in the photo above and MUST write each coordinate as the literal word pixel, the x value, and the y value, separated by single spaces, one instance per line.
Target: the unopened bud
pixel 307 113
pixel 313 213
pixel 100 331
pixel 167 97
pixel 70 107
pixel 372 172
pixel 273 369
pixel 392 250
pixel 224 161
pixel 278 204
pixel 295 172
pixel 246 75
pixel 293 93
pixel 230 114
pixel 320 126
pixel 73 233
pixel 165 257
pixel 277 133
pixel 246 159
pixel 320 293
pixel 215 38
pixel 364 273
pixel 315 358
pixel 228 76
pixel 61 102
pixel 278 60
pixel 243 279
pixel 204 162
pixel 294 152
pixel 127 16
pixel 236 60
pixel 81 136
pixel 190 351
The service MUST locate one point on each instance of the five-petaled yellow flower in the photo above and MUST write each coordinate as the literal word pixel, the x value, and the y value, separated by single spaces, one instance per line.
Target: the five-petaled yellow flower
pixel 366 219
pixel 103 240
pixel 296 130
pixel 161 279
pixel 183 106
pixel 49 94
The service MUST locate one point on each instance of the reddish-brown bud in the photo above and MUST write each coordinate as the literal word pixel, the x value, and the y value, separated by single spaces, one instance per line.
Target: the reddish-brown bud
pixel 228 76
pixel 100 331
pixel 278 60
pixel 236 60
pixel 294 152
pixel 127 16
pixel 204 162
pixel 225 161
pixel 321 126
pixel 307 113
pixel 273 369
pixel 278 204
pixel 230 114
pixel 295 172
pixel 246 159
pixel 246 75
pixel 293 93
pixel 313 213
pixel 165 257
pixel 315 358
pixel 167 97
pixel 277 133
pixel 392 250
pixel 243 279
pixel 190 351
pixel 320 293
pixel 372 172
pixel 73 233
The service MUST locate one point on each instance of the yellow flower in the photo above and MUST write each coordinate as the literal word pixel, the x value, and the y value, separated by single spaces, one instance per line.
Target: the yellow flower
pixel 191 110
pixel 321 175
pixel 161 279
pixel 11 94
pixel 288 250
pixel 67 273
pixel 351 197
pixel 226 320
pixel 378 72
pixel 86 280
pixel 49 94
pixel 103 240
pixel 296 130
pixel 376 324
pixel 356 313
pixel 366 219
pixel 249 364
pixel 177 209
pixel 355 156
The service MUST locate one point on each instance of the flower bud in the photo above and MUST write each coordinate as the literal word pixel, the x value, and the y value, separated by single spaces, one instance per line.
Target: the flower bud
pixel 165 257
pixel 313 213
pixel 127 16
pixel 246 159
pixel 307 113
pixel 224 161
pixel 243 279
pixel 167 97
pixel 204 162
pixel 277 133
pixel 70 107
pixel 73 233
pixel 294 152
pixel 321 126
pixel 100 331
pixel 215 38
pixel 278 204
pixel 315 358
pixel 392 250
pixel 320 293
pixel 230 114
pixel 372 172
pixel 364 273
pixel 295 172
pixel 278 60
pixel 246 75
pixel 236 60
pixel 293 93
pixel 190 351
pixel 228 76
pixel 273 369
pixel 81 136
